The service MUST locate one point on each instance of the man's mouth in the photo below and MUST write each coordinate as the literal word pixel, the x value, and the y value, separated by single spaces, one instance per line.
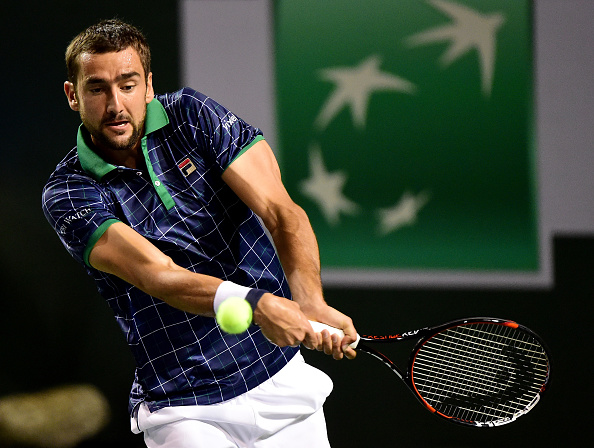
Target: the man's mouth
pixel 118 125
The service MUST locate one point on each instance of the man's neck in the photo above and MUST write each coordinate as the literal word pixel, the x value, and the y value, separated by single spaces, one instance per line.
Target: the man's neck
pixel 130 158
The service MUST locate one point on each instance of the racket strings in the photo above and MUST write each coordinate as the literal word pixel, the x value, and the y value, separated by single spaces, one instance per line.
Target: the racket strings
pixel 480 372
pixel 459 359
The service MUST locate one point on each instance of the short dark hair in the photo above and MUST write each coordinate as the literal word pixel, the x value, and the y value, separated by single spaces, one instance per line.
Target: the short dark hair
pixel 105 37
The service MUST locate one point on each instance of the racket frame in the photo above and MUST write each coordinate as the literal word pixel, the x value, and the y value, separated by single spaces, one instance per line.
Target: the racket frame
pixel 427 333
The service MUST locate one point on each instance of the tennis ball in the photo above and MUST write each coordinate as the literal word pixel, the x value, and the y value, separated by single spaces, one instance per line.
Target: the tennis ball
pixel 234 315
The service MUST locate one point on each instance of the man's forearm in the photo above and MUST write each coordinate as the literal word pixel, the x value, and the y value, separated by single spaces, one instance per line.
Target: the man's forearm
pixel 298 251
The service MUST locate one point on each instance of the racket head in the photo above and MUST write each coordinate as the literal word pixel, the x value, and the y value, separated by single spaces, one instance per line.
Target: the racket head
pixel 481 372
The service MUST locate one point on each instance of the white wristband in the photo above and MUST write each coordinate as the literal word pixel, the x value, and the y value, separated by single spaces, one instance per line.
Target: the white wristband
pixel 228 289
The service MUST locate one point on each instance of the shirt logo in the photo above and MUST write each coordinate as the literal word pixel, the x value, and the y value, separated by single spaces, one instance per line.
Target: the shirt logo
pixel 230 121
pixel 79 214
pixel 187 167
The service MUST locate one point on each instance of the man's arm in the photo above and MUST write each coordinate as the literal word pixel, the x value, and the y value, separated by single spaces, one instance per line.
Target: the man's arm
pixel 125 253
pixel 256 179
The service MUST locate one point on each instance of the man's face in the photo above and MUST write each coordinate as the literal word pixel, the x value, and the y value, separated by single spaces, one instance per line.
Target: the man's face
pixel 111 96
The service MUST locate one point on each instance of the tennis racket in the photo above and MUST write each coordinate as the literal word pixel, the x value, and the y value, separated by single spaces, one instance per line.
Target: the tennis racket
pixel 480 371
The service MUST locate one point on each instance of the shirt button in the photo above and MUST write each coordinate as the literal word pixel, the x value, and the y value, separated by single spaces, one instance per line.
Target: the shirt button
pixel 157 183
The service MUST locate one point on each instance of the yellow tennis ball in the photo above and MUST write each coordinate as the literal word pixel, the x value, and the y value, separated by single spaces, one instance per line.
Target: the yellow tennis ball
pixel 234 315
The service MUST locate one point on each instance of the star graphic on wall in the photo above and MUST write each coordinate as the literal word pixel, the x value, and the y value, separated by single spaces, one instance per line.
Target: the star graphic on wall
pixel 469 30
pixel 325 188
pixel 403 213
pixel 354 86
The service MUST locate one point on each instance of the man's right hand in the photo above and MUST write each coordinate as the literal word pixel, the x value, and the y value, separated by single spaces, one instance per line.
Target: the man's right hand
pixel 283 323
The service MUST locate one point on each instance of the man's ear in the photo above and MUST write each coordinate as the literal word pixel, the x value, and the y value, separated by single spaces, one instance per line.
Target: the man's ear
pixel 150 93
pixel 70 92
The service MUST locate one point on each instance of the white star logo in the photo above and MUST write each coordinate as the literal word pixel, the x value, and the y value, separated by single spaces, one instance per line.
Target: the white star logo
pixel 403 213
pixel 354 86
pixel 469 30
pixel 325 188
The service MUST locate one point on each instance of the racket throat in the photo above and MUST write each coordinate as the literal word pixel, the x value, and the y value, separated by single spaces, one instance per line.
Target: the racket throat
pixel 383 358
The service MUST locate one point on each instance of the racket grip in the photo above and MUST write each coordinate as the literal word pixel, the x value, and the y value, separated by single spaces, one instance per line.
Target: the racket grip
pixel 319 327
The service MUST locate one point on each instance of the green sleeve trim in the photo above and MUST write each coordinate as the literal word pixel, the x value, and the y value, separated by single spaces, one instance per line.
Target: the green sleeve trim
pixel 245 148
pixel 98 233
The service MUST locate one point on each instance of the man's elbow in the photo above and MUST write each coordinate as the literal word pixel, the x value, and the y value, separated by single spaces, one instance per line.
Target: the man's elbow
pixel 158 279
pixel 287 219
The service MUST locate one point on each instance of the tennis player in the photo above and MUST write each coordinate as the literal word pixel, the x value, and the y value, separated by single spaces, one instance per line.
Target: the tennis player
pixel 160 200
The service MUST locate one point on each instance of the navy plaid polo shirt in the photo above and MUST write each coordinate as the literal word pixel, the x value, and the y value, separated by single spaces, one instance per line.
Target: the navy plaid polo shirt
pixel 180 203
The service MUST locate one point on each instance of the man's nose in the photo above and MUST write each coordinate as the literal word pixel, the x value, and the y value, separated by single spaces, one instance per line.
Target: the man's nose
pixel 114 103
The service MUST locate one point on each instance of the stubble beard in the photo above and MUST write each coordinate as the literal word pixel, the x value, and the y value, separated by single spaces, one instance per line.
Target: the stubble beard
pixel 102 140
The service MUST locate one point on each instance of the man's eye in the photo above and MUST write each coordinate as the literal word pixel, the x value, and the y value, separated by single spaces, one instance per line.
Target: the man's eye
pixel 127 88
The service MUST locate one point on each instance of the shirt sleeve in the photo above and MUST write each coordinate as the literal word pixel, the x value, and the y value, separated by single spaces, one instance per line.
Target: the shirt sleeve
pixel 215 129
pixel 79 211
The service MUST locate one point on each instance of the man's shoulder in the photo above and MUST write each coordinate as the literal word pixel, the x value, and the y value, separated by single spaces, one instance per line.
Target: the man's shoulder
pixel 67 184
pixel 70 164
pixel 182 97
pixel 189 108
pixel 69 169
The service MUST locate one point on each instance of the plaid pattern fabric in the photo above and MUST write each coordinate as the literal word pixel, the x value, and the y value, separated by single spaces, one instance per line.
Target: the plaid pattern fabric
pixel 183 207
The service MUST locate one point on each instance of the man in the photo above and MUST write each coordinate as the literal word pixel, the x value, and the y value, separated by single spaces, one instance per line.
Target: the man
pixel 160 201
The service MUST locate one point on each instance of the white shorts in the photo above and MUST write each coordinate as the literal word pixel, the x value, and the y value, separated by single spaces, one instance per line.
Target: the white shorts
pixel 285 411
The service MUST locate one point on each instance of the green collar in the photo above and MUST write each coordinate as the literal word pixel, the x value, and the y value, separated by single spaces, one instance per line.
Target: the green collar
pixel 92 163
